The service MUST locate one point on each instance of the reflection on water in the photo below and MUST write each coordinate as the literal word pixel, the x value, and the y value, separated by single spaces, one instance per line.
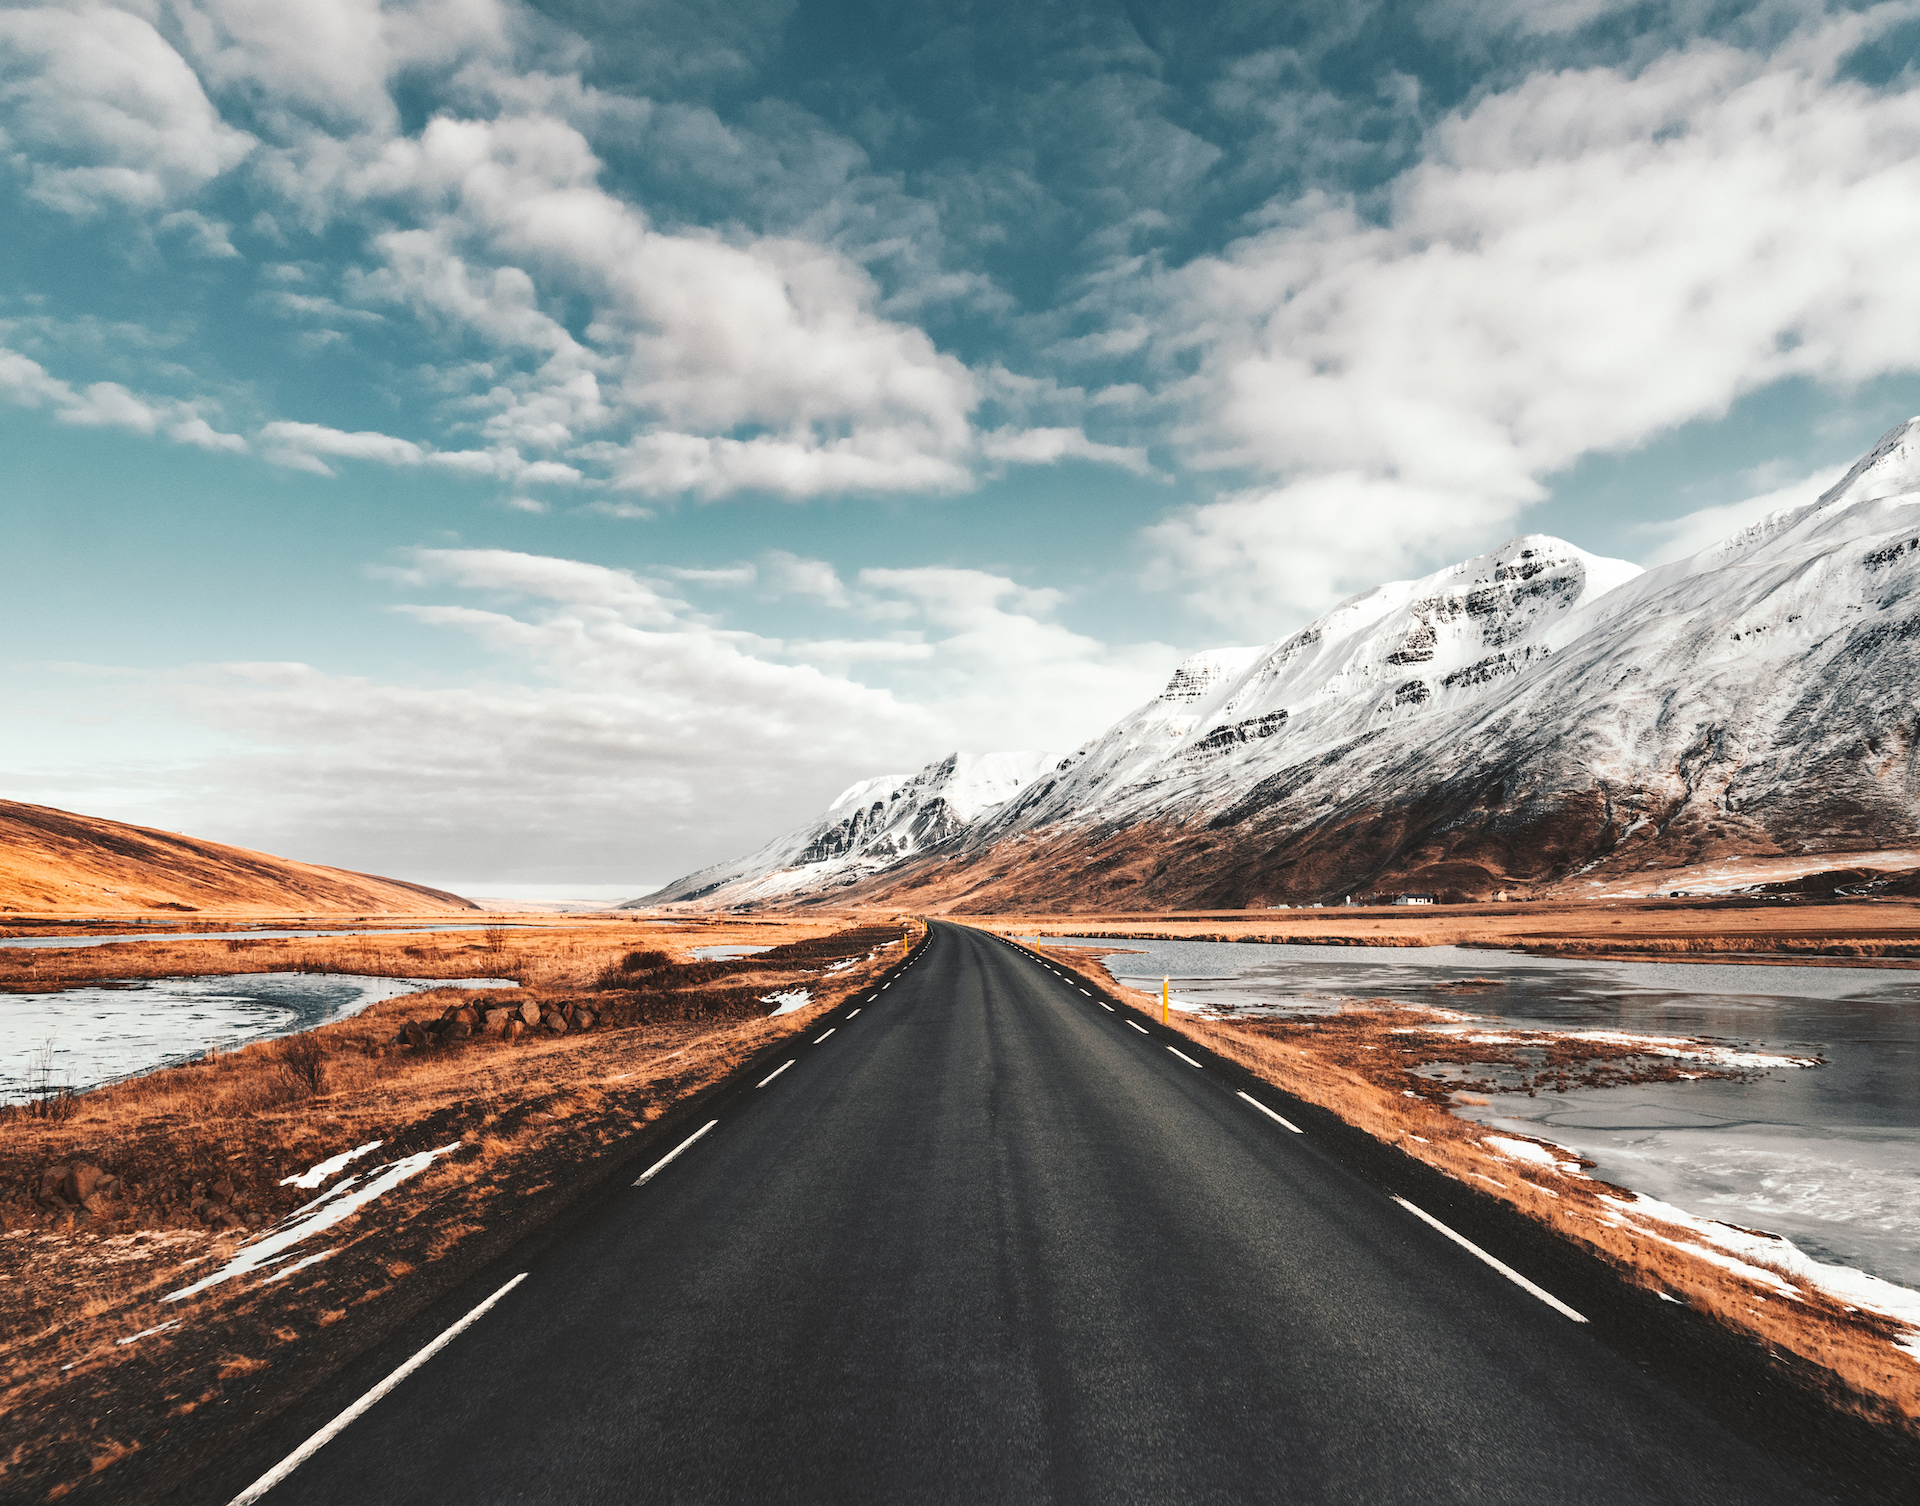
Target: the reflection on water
pixel 99 1034
pixel 1829 1157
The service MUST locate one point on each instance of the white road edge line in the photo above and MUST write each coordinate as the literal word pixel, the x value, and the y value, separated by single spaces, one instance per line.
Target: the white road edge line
pixel 1273 1116
pixel 333 1429
pixel 648 1175
pixel 1504 1269
pixel 1187 1059
pixel 819 1038
pixel 769 1078
pixel 1141 1028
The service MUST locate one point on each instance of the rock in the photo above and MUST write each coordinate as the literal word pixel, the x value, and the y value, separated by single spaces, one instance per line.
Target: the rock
pixel 530 1012
pixel 455 1030
pixel 583 1019
pixel 556 1022
pixel 414 1035
pixel 516 1027
pixel 222 1189
pixel 497 1018
pixel 51 1180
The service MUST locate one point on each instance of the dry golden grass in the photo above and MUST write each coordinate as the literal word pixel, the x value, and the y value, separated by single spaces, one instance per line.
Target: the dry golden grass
pixel 1356 1069
pixel 1677 930
pixel 531 1118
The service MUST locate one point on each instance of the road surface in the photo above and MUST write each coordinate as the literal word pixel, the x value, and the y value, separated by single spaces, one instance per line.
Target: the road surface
pixel 988 1240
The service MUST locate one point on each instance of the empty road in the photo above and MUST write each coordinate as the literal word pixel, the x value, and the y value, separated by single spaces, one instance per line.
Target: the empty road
pixel 988 1240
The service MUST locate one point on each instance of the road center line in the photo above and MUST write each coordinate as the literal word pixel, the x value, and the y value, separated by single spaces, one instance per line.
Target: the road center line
pixel 1104 1005
pixel 1187 1059
pixel 851 1015
pixel 1271 1115
pixel 333 1429
pixel 1141 1028
pixel 819 1038
pixel 648 1175
pixel 774 1073
pixel 1085 992
pixel 1504 1269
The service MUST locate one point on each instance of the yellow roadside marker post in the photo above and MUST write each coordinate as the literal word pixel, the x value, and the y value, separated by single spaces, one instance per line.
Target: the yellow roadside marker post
pixel 1163 1001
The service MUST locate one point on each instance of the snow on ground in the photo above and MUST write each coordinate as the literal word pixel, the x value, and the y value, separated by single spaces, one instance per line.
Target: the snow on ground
pixel 799 998
pixel 321 1171
pixel 1729 1245
pixel 330 1208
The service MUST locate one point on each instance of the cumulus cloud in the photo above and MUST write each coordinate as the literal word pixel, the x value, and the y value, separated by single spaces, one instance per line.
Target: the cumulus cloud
pixel 99 111
pixel 28 384
pixel 1579 263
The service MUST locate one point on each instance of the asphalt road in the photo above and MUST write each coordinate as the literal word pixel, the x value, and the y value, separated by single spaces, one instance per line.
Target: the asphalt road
pixel 987 1240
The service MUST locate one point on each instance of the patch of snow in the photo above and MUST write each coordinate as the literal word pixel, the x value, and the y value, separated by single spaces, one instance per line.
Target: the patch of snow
pixel 1843 1283
pixel 298 1265
pixel 798 998
pixel 315 1175
pixel 145 1333
pixel 1522 1150
pixel 316 1217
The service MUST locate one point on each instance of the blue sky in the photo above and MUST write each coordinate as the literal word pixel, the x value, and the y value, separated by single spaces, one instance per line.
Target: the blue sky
pixel 553 447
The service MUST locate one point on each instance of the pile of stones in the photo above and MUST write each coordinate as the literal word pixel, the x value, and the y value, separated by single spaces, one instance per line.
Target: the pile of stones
pixel 463 1022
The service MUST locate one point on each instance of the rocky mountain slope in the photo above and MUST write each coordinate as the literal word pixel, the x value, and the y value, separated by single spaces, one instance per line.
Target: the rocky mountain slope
pixel 1524 719
pixel 871 827
pixel 52 861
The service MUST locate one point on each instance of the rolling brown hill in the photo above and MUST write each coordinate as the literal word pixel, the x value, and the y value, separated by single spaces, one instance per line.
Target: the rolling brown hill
pixel 52 861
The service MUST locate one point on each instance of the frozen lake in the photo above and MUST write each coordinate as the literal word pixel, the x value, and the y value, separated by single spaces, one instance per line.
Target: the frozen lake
pixel 1829 1157
pixel 87 1036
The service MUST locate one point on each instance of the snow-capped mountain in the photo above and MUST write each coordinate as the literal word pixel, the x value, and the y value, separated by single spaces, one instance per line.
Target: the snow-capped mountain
pixel 1525 717
pixel 872 825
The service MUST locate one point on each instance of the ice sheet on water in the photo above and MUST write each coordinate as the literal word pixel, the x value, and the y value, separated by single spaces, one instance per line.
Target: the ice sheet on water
pixel 99 1034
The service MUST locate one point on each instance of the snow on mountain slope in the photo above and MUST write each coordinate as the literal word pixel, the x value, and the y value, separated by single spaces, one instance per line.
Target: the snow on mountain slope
pixel 1521 719
pixel 1404 653
pixel 1762 697
pixel 872 825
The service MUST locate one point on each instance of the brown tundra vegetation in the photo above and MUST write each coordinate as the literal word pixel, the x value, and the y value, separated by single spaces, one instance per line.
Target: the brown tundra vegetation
pixel 517 1100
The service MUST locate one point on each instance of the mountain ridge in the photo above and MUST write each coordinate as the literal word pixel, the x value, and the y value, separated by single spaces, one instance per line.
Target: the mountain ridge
pixel 1527 717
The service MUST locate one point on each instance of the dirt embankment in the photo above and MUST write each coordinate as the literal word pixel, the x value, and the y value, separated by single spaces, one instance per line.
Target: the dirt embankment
pixel 112 1200
pixel 1361 1065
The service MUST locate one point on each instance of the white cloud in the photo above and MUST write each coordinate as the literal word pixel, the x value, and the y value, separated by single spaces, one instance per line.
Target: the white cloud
pixel 1580 262
pixel 1046 446
pixel 100 111
pixel 26 382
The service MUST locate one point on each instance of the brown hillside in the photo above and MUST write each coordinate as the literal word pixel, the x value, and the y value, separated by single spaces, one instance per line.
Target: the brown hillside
pixel 52 861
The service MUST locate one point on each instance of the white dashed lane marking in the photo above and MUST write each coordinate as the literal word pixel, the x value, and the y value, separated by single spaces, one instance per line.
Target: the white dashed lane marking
pixel 1273 1116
